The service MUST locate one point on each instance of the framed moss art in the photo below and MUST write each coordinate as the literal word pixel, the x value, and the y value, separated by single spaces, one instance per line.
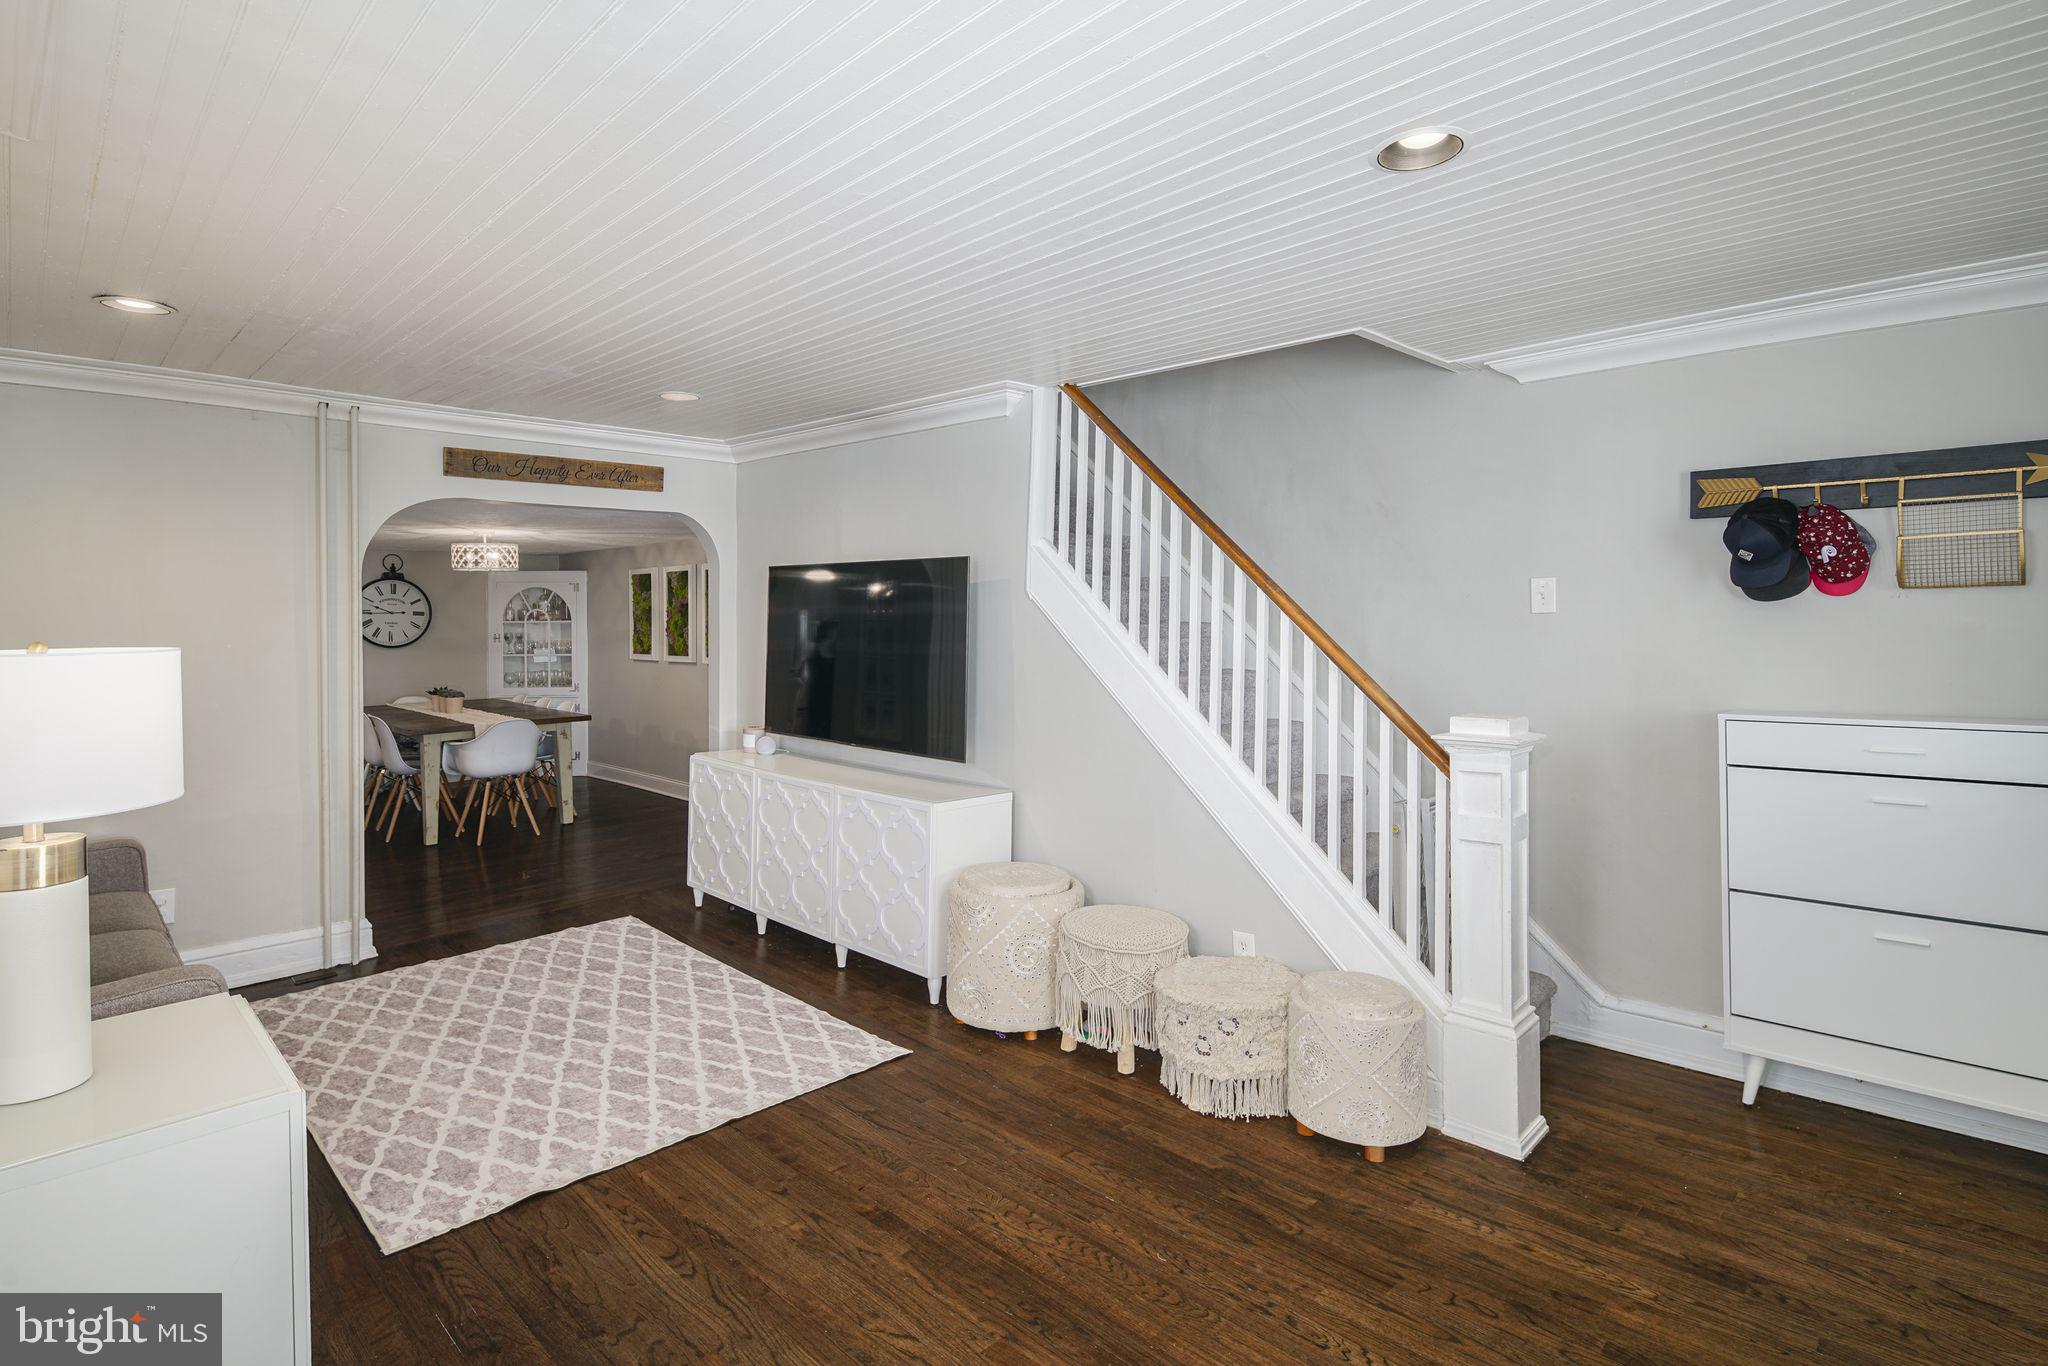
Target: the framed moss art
pixel 680 592
pixel 642 586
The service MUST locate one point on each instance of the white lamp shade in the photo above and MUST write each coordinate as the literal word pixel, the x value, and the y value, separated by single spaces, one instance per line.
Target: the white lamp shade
pixel 89 733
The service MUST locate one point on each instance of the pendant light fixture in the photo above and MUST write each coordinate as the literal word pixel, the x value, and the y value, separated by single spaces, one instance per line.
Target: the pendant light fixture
pixel 483 555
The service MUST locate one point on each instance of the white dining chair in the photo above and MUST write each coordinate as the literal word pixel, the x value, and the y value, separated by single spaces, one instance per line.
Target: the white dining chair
pixel 374 774
pixel 498 763
pixel 405 775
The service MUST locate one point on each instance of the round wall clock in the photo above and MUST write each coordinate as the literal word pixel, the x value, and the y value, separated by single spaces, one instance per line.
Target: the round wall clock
pixel 395 609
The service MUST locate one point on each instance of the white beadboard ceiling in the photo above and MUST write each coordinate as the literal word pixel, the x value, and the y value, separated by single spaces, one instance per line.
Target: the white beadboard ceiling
pixel 807 210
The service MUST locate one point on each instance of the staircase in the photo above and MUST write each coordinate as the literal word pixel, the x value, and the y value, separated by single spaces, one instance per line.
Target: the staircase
pixel 1339 797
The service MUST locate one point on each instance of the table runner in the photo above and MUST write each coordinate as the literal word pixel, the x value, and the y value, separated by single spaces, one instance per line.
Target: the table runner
pixel 482 720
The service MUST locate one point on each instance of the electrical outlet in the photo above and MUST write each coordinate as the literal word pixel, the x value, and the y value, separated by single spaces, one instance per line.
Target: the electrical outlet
pixel 1543 595
pixel 1243 944
pixel 166 899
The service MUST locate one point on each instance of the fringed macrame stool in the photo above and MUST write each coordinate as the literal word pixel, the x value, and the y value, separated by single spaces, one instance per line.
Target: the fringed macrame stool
pixel 1357 1065
pixel 1223 1035
pixel 1003 922
pixel 1108 957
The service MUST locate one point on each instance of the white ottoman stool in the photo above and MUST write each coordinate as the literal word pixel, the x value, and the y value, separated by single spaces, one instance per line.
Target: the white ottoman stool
pixel 1108 956
pixel 1002 928
pixel 1223 1034
pixel 1357 1065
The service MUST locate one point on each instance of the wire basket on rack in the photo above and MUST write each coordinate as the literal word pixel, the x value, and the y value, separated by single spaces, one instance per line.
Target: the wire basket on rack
pixel 1961 540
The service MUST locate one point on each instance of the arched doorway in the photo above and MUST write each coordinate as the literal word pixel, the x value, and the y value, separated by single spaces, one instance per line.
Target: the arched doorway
pixel 598 633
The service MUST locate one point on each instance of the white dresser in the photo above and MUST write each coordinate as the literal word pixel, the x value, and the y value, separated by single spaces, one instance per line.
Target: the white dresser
pixel 180 1167
pixel 1886 916
pixel 856 856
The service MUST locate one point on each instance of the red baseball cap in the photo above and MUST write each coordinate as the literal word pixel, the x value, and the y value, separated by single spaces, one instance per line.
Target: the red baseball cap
pixel 1835 549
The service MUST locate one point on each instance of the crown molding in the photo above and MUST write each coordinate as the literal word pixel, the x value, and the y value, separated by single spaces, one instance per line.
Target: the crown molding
pixel 184 386
pixel 1906 299
pixel 945 410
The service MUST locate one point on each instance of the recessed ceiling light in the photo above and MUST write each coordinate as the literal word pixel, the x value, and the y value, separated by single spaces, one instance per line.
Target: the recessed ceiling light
pixel 678 396
pixel 1421 149
pixel 129 303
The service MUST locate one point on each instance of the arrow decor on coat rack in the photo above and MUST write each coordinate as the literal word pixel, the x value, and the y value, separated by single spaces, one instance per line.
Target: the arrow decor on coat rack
pixel 1873 481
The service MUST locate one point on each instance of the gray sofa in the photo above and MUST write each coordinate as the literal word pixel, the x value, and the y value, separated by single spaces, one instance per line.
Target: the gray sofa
pixel 134 964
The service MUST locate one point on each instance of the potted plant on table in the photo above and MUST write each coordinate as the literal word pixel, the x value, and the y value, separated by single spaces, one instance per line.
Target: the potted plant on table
pixel 447 701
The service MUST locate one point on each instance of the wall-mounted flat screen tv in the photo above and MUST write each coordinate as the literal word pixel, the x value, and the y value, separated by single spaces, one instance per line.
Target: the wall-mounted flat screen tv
pixel 871 653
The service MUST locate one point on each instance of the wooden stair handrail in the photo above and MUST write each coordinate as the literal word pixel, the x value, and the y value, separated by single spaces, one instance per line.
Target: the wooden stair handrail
pixel 1350 667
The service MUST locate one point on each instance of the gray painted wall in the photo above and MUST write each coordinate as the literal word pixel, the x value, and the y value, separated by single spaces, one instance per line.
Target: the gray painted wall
pixel 135 522
pixel 1407 509
pixel 651 715
pixel 1091 794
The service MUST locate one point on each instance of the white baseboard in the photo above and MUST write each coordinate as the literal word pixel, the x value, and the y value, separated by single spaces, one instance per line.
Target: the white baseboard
pixel 271 956
pixel 1585 1012
pixel 646 782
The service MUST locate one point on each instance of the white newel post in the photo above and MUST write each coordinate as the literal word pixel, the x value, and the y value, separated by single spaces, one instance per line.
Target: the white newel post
pixel 1045 445
pixel 1492 1075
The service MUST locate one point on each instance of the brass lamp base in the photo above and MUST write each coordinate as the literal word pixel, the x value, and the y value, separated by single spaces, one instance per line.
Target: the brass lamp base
pixel 52 861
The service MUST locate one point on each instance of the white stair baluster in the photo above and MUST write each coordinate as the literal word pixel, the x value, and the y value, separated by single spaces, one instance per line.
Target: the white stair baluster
pixel 1237 668
pixel 1439 873
pixel 1119 610
pixel 1173 596
pixel 1411 854
pixel 1358 789
pixel 1098 525
pixel 1262 762
pixel 1063 479
pixel 1218 568
pixel 1333 830
pixel 1386 819
pixel 1141 557
pixel 1305 796
pixel 1283 752
pixel 1162 509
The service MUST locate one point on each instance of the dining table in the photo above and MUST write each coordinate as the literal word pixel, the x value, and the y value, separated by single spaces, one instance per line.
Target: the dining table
pixel 435 729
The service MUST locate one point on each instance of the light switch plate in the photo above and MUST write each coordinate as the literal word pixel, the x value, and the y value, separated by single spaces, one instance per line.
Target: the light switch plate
pixel 1543 595
pixel 166 899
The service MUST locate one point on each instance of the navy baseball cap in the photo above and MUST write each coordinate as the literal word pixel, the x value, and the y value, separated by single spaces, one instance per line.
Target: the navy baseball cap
pixel 1762 540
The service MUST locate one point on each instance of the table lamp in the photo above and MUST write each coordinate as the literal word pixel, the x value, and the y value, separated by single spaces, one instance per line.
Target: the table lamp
pixel 87 733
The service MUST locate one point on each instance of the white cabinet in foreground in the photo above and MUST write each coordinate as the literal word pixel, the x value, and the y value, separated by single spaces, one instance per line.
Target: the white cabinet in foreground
pixel 857 856
pixel 180 1167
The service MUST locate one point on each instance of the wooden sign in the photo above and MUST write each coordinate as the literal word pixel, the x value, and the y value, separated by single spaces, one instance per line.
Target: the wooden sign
pixel 1874 480
pixel 550 469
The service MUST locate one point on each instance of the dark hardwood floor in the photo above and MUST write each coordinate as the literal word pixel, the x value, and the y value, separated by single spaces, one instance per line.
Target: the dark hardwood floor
pixel 994 1199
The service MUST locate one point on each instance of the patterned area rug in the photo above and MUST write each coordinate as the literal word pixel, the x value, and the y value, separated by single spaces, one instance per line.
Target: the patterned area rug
pixel 444 1092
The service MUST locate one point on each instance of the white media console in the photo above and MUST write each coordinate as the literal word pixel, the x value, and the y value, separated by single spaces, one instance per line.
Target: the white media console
pixel 857 856
pixel 1886 917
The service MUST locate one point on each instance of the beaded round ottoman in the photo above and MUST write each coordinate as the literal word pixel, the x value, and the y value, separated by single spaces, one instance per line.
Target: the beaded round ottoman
pixel 1002 924
pixel 1357 1065
pixel 1108 956
pixel 1223 1034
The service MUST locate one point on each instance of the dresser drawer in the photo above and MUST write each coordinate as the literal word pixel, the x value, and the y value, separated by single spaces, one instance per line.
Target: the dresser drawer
pixel 1962 851
pixel 1967 993
pixel 1999 756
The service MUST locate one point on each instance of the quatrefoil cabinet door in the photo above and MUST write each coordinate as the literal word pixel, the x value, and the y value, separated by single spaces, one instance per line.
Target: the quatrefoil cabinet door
pixel 882 878
pixel 793 854
pixel 721 832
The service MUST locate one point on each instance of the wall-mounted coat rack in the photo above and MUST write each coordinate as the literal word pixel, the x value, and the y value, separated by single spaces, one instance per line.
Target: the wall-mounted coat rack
pixel 1962 514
